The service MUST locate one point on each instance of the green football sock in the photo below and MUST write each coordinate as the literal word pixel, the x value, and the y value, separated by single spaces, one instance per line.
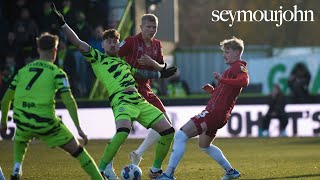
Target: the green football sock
pixel 88 164
pixel 19 151
pixel 162 149
pixel 112 148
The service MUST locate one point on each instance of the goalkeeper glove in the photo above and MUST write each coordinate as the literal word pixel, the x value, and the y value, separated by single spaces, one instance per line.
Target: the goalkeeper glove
pixel 58 15
pixel 165 73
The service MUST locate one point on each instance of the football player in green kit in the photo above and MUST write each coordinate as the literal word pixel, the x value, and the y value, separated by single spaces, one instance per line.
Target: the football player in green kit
pixel 33 90
pixel 127 104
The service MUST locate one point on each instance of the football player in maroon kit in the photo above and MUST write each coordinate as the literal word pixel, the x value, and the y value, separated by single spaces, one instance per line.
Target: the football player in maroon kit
pixel 143 51
pixel 216 113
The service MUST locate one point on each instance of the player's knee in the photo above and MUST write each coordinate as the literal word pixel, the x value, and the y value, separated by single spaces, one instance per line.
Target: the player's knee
pixel 167 132
pixel 180 136
pixel 77 152
pixel 123 129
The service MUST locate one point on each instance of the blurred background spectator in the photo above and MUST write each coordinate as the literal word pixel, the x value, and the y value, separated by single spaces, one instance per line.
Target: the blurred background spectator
pixel 177 87
pixel 7 73
pixel 19 27
pixel 298 82
pixel 276 110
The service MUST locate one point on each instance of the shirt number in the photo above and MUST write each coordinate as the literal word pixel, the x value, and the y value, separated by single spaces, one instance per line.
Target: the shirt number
pixel 35 77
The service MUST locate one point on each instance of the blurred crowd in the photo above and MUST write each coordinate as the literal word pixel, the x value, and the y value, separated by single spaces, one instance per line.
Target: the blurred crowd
pixel 21 21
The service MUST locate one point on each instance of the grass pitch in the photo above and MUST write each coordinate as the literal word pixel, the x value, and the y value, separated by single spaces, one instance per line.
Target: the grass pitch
pixel 273 158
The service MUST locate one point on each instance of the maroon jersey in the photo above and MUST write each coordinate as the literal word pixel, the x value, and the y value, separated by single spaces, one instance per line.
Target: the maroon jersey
pixel 229 87
pixel 132 48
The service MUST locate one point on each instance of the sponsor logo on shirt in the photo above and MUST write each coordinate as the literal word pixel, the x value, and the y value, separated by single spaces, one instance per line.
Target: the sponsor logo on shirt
pixel 28 104
pixel 243 69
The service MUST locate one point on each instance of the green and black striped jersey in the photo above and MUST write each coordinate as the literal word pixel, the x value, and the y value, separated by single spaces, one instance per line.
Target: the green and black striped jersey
pixel 115 74
pixel 35 86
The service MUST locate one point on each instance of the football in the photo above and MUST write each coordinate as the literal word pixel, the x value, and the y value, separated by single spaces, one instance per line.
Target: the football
pixel 131 172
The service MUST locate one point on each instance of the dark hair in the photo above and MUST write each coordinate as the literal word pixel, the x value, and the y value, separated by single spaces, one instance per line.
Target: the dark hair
pixel 47 41
pixel 110 33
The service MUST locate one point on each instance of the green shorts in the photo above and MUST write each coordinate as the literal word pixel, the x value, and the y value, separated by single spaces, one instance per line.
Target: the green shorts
pixel 132 106
pixel 55 135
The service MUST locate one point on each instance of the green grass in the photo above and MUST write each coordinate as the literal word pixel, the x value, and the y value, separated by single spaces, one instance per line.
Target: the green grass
pixel 274 158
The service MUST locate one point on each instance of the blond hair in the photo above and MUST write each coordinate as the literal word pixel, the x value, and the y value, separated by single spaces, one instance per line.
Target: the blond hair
pixel 233 43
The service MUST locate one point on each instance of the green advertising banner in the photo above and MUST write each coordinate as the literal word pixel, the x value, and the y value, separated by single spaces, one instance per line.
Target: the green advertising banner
pixel 277 70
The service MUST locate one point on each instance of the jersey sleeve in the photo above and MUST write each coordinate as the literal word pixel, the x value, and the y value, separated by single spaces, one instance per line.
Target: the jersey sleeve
pixel 125 47
pixel 62 82
pixel 241 77
pixel 14 82
pixel 93 55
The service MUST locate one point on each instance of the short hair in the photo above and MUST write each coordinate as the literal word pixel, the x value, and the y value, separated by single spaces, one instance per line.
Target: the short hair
pixel 110 33
pixel 150 18
pixel 233 43
pixel 47 41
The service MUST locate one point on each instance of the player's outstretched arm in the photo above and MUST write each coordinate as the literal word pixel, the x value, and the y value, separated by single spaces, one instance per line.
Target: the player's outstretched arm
pixel 71 35
pixel 5 106
pixel 146 74
pixel 71 105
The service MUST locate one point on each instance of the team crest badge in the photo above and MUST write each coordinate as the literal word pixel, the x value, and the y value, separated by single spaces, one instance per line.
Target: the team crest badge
pixel 121 109
pixel 243 69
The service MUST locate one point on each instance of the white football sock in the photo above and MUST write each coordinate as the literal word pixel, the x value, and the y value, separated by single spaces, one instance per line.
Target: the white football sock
pixel 16 168
pixel 215 153
pixel 110 165
pixel 178 149
pixel 152 137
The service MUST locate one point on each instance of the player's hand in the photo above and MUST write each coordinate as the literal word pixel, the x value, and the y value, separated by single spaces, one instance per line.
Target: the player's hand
pixel 208 88
pixel 83 136
pixel 58 15
pixel 217 76
pixel 146 60
pixel 165 73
